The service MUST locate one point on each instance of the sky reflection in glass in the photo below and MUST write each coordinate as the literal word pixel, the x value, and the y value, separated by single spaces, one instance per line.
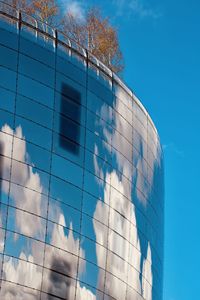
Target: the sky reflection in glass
pixel 81 177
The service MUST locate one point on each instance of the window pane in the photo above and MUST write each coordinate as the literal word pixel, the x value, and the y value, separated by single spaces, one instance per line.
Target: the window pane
pixel 111 282
pixel 8 58
pixel 8 79
pixel 70 70
pixel 92 204
pixel 30 67
pixel 74 153
pixel 63 238
pixel 69 130
pixel 97 88
pixel 8 36
pixel 70 108
pixel 28 200
pixel 34 111
pixel 60 261
pixel 99 107
pixel 58 285
pixel 6 119
pixel 34 155
pixel 5 164
pixel 93 275
pixel 32 178
pixel 66 170
pixel 18 245
pixel 34 133
pixel 7 100
pixel 22 272
pixel 63 80
pixel 65 192
pixel 17 291
pixel 35 90
pixel 26 223
pixel 36 51
pixel 5 143
pixel 93 252
pixel 58 211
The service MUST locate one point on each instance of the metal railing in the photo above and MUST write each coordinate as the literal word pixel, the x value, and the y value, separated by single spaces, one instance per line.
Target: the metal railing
pixel 22 19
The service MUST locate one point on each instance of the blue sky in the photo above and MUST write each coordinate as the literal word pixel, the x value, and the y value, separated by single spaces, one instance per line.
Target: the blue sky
pixel 161 45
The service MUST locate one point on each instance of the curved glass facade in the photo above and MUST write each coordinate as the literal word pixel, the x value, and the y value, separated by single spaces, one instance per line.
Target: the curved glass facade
pixel 81 178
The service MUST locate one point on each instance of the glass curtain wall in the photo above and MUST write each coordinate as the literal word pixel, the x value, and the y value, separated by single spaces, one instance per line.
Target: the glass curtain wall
pixel 81 180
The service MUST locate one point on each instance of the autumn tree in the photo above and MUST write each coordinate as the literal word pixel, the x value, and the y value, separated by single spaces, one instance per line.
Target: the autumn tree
pixel 24 5
pixel 74 29
pixel 97 35
pixel 46 11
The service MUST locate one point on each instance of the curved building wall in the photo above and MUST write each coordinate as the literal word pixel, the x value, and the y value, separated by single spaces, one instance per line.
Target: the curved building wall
pixel 81 203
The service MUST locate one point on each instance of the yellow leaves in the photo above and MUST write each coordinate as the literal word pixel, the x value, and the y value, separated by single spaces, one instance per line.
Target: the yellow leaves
pixel 24 5
pixel 45 9
pixel 98 36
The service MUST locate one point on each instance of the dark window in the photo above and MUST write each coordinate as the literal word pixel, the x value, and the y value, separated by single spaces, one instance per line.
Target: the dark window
pixel 70 129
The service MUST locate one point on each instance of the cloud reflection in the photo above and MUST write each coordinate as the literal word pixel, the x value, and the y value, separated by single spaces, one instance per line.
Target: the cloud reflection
pixel 24 270
pixel 122 241
pixel 129 266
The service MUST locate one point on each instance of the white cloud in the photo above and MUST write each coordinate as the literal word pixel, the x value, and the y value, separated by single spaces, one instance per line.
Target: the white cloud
pixel 172 147
pixel 75 8
pixel 142 10
pixel 137 8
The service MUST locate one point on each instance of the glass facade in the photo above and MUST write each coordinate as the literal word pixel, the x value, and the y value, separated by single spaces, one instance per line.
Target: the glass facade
pixel 81 179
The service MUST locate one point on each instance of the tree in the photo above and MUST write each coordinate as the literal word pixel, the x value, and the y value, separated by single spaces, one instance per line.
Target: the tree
pixel 74 29
pixel 24 5
pixel 46 10
pixel 97 35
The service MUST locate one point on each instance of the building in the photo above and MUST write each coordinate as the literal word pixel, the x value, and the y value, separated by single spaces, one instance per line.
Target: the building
pixel 81 168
